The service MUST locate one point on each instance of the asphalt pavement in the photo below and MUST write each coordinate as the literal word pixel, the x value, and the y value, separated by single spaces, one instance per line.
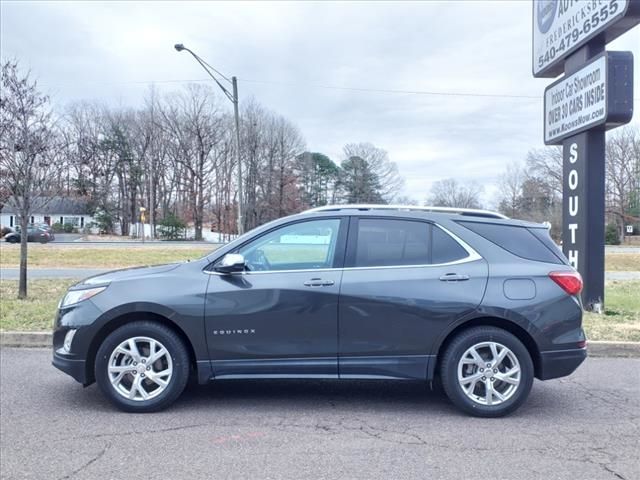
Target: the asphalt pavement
pixel 582 427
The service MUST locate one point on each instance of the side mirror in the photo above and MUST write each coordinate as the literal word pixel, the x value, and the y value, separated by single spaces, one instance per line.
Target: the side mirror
pixel 231 262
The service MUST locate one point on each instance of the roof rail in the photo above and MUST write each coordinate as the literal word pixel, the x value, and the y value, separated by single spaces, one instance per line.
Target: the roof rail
pixel 473 212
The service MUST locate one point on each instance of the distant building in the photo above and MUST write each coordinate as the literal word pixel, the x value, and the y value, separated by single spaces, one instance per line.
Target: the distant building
pixel 63 210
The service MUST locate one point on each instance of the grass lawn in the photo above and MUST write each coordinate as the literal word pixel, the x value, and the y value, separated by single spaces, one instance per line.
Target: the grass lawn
pixel 34 313
pixel 622 262
pixel 55 256
pixel 620 322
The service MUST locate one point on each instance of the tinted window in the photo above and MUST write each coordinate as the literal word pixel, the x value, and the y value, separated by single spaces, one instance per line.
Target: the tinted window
pixel 303 245
pixel 517 240
pixel 445 248
pixel 383 242
pixel 542 234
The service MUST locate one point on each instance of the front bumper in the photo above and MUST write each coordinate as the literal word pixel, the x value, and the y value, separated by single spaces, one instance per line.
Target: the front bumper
pixel 71 366
pixel 560 363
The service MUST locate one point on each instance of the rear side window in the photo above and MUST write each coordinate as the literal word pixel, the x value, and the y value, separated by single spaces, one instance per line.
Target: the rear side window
pixel 383 242
pixel 517 240
pixel 445 248
pixel 542 234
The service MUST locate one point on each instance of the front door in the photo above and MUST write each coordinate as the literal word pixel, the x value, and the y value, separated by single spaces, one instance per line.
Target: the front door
pixel 404 281
pixel 279 318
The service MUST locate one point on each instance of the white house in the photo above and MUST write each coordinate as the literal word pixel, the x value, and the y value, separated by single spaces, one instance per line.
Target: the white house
pixel 50 210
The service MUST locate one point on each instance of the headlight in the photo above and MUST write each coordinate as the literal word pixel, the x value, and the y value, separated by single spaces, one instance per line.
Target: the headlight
pixel 77 296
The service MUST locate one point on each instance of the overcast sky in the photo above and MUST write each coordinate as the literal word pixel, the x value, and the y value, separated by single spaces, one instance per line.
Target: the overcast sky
pixel 286 54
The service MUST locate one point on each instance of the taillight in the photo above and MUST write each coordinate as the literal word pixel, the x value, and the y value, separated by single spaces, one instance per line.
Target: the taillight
pixel 570 282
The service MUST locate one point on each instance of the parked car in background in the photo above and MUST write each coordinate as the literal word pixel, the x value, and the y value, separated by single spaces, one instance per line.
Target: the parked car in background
pixel 484 303
pixel 34 234
pixel 46 228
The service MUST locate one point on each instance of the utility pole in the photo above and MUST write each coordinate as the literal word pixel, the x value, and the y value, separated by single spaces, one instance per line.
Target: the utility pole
pixel 233 97
pixel 234 82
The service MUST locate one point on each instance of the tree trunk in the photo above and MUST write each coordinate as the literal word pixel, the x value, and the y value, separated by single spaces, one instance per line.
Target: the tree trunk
pixel 22 285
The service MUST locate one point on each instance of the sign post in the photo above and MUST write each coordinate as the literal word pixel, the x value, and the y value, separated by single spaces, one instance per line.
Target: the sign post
pixel 594 95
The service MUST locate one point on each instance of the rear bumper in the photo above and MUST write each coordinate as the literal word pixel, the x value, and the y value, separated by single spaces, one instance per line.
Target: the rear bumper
pixel 560 363
pixel 74 367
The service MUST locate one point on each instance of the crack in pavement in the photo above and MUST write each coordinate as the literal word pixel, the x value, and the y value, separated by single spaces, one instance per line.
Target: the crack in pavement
pixel 86 465
pixel 141 432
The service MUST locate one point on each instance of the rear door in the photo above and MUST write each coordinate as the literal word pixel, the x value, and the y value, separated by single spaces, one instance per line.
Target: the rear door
pixel 404 281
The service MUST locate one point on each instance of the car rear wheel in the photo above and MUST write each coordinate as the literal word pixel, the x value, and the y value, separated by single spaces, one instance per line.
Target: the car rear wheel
pixel 142 367
pixel 12 239
pixel 487 372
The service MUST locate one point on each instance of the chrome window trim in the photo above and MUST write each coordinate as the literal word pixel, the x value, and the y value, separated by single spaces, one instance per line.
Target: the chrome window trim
pixel 468 259
pixel 472 257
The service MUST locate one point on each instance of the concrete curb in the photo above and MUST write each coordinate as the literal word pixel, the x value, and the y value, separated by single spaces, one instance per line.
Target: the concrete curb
pixel 595 348
pixel 613 349
pixel 26 339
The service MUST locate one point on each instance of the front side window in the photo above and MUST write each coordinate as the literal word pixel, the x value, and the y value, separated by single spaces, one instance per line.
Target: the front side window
pixel 299 246
pixel 385 242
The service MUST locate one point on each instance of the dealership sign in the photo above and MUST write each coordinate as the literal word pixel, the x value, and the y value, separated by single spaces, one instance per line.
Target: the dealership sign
pixel 599 94
pixel 560 27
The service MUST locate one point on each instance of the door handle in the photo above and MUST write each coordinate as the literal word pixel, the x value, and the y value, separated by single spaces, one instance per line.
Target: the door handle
pixel 318 282
pixel 454 277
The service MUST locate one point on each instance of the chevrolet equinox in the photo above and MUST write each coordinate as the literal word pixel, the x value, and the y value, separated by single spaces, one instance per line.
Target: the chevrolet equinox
pixel 479 301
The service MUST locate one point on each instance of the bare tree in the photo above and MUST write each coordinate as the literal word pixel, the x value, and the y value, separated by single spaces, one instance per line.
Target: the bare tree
pixel 510 185
pixel 192 120
pixel 450 193
pixel 622 176
pixel 270 146
pixel 28 151
pixel 546 164
pixel 388 178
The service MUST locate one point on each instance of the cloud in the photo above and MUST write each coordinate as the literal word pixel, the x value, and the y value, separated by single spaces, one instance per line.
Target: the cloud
pixel 286 54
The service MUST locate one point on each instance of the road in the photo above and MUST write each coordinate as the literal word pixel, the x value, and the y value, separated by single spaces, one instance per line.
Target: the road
pixel 115 244
pixel 582 427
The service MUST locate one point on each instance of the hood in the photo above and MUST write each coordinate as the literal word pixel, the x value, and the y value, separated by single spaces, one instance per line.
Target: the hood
pixel 128 273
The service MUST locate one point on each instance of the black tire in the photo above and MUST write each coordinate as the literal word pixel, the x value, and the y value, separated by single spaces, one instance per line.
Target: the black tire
pixel 12 240
pixel 179 357
pixel 449 371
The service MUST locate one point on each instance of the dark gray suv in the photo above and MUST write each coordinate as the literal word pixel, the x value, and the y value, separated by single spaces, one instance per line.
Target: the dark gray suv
pixel 481 302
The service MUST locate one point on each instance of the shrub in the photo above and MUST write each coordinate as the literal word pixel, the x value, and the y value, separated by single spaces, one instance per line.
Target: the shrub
pixel 68 228
pixel 104 221
pixel 57 227
pixel 87 228
pixel 611 236
pixel 171 228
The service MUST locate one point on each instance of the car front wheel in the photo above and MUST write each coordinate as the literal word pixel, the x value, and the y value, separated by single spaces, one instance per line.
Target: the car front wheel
pixel 142 367
pixel 487 372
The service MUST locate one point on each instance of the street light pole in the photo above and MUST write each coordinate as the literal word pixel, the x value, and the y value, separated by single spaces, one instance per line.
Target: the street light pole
pixel 233 97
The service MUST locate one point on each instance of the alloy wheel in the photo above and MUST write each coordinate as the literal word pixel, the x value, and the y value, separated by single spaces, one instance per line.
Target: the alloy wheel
pixel 489 373
pixel 140 368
